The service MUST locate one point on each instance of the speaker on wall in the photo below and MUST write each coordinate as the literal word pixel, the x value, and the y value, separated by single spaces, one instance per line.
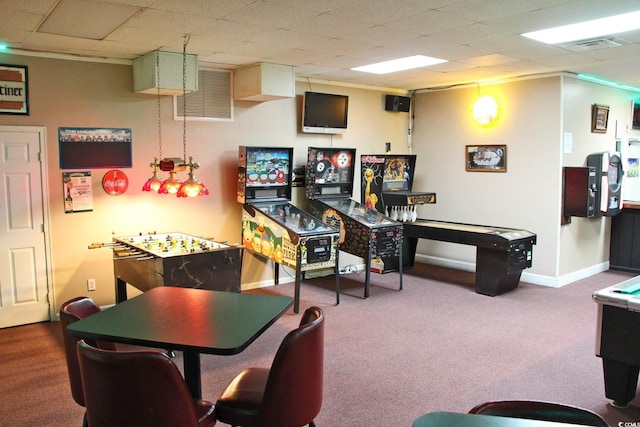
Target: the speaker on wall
pixel 397 103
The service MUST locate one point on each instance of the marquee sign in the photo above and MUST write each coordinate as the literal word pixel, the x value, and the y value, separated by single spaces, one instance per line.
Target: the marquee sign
pixel 14 91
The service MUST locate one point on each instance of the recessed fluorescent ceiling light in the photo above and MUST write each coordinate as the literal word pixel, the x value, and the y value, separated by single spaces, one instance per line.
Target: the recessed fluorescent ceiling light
pixel 588 29
pixel 400 64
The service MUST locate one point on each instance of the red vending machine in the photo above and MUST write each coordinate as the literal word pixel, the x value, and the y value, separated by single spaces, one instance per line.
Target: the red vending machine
pixel 364 231
pixel 275 229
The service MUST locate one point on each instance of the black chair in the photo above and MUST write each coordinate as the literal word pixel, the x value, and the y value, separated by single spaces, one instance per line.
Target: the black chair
pixel 289 394
pixel 540 410
pixel 141 388
pixel 72 311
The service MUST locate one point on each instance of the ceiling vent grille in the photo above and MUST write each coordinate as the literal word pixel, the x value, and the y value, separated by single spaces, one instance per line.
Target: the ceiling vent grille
pixel 594 44
pixel 213 101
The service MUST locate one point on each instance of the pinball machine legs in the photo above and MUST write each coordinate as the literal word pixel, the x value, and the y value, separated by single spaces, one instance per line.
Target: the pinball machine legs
pixel 300 275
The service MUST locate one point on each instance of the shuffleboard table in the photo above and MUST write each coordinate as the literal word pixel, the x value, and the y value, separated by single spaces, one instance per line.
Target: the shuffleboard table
pixel 501 253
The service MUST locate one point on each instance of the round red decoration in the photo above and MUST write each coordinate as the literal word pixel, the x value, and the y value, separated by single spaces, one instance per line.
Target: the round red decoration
pixel 115 182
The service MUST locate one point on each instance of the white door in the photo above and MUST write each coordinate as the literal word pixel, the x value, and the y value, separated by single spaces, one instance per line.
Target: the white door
pixel 23 268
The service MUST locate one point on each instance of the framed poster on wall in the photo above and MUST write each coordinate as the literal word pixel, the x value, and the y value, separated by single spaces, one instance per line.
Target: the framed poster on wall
pixel 95 148
pixel 14 96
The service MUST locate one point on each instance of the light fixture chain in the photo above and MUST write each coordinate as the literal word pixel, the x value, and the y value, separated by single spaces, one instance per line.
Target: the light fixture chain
pixel 159 110
pixel 184 96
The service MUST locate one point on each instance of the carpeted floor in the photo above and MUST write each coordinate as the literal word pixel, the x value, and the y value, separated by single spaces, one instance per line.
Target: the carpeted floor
pixel 435 346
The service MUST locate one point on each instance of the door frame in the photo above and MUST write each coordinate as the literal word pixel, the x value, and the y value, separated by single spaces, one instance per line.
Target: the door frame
pixel 46 213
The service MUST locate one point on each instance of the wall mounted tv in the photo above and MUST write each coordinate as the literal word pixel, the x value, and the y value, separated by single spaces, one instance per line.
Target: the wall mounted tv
pixel 324 113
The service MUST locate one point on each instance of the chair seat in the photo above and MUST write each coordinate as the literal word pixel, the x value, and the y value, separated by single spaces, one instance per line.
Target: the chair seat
pixel 241 401
pixel 289 393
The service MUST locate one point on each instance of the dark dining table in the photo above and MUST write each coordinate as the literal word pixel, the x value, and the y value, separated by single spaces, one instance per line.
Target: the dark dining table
pixel 449 419
pixel 193 321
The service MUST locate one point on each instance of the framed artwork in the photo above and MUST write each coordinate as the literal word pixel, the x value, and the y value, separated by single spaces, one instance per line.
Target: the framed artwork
pixel 486 158
pixel 599 118
pixel 14 96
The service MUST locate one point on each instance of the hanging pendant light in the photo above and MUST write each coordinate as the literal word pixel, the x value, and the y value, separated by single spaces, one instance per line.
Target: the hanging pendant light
pixel 171 185
pixel 192 187
pixel 153 183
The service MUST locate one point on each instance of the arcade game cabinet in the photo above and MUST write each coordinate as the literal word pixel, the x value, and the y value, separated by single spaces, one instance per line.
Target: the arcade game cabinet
pixel 391 177
pixel 364 232
pixel 275 229
pixel 387 182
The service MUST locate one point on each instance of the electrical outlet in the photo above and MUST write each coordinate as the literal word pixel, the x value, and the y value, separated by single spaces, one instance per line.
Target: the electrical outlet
pixel 91 284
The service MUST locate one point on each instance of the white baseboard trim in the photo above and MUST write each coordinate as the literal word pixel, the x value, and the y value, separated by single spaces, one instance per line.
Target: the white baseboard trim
pixel 535 279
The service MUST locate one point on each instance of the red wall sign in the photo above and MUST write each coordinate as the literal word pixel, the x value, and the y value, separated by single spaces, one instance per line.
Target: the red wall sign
pixel 115 182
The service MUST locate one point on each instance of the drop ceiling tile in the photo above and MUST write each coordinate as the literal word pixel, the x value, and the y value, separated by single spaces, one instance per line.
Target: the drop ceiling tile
pixel 289 39
pixel 487 60
pixel 76 18
pixel 156 36
pixel 429 22
pixel 17 19
pixel 170 21
pixel 379 11
pixel 277 15
pixel 328 25
pixel 314 5
pixel 38 7
pixel 230 30
pixel 380 36
pixel 483 10
pixel 44 42
pixel 208 8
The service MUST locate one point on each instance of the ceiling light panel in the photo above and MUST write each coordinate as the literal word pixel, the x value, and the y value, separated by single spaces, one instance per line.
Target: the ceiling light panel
pixel 588 29
pixel 400 64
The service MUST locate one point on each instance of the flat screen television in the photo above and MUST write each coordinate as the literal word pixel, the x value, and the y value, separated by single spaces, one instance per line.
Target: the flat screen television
pixel 324 113
pixel 635 118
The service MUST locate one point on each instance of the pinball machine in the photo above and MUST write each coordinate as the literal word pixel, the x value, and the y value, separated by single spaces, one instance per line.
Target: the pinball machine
pixel 386 186
pixel 364 232
pixel 275 229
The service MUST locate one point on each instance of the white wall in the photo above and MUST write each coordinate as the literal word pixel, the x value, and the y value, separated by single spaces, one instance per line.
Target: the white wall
pixel 534 116
pixel 67 93
pixel 525 196
pixel 584 243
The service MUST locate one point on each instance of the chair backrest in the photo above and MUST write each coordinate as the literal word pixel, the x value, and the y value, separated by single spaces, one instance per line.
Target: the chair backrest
pixel 72 311
pixel 134 388
pixel 540 410
pixel 293 394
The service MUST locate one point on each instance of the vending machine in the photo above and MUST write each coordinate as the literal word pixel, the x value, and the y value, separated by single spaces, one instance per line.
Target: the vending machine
pixel 275 229
pixel 364 231
pixel 608 181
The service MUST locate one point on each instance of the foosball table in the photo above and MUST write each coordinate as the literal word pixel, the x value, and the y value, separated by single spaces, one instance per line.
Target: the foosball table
pixel 147 261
